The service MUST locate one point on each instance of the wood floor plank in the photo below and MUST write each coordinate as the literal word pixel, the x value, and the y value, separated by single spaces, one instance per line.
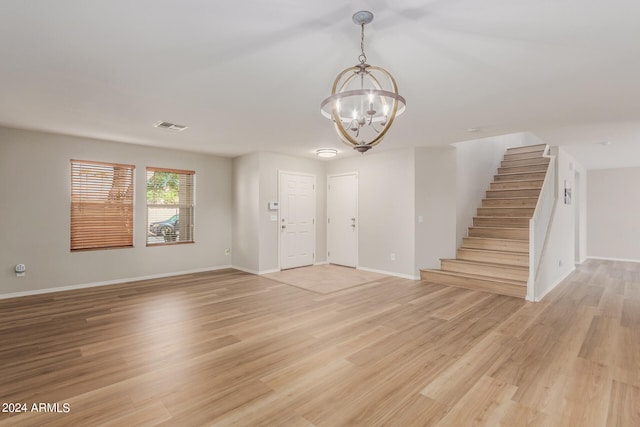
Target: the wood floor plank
pixel 230 348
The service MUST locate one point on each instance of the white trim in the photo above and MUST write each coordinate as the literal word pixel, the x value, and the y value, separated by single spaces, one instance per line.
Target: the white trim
pixel 613 259
pixel 389 273
pixel 321 263
pixel 275 270
pixel 245 270
pixel 256 272
pixel 553 286
pixel 108 282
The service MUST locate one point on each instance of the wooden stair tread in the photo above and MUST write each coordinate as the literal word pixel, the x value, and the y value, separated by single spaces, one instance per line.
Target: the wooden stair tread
pixel 512 198
pixel 479 277
pixel 517 189
pixel 542 163
pixel 494 240
pixel 519 173
pixel 503 207
pixel 512 288
pixel 497 228
pixel 495 216
pixel 490 264
pixel 489 251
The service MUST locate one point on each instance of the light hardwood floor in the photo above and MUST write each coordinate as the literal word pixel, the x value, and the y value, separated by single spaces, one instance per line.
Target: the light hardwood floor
pixel 228 347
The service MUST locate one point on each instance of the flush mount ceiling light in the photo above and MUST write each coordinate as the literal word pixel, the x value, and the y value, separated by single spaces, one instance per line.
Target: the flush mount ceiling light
pixel 364 100
pixel 326 152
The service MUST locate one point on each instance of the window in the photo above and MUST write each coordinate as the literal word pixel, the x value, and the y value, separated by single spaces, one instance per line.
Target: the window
pixel 170 203
pixel 101 205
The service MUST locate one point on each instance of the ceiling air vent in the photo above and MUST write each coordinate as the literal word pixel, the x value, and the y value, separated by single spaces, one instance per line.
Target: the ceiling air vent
pixel 170 126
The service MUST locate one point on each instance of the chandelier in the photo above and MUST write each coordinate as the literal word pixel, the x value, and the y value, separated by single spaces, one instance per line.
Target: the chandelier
pixel 364 100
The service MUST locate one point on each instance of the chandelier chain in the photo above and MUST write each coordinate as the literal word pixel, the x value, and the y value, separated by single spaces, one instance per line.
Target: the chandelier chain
pixel 362 57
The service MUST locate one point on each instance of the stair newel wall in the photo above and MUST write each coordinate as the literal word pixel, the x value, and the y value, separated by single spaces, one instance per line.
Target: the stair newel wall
pixel 540 222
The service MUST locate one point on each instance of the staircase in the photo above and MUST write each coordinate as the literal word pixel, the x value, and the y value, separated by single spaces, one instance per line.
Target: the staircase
pixel 495 256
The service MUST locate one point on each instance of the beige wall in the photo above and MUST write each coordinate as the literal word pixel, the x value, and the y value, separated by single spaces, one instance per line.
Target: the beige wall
pixel 255 235
pixel 613 211
pixel 270 166
pixel 34 200
pixel 435 194
pixel 246 231
pixel 386 209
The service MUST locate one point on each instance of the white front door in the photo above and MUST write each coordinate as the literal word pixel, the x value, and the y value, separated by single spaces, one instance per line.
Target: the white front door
pixel 342 219
pixel 297 220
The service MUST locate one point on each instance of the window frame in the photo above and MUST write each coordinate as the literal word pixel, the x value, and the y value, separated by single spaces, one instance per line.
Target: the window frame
pixel 190 207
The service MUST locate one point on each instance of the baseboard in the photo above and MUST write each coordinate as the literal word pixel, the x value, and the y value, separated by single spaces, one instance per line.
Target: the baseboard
pixel 256 272
pixel 613 259
pixel 261 272
pixel 321 263
pixel 389 273
pixel 553 286
pixel 246 270
pixel 108 282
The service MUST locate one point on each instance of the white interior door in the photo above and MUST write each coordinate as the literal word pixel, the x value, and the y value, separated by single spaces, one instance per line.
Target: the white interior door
pixel 297 220
pixel 342 219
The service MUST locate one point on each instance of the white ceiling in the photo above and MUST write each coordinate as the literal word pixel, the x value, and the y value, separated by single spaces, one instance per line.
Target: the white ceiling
pixel 248 76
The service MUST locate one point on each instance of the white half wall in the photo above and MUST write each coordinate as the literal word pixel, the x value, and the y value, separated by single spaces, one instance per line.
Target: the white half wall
pixel 35 197
pixel 559 254
pixel 613 207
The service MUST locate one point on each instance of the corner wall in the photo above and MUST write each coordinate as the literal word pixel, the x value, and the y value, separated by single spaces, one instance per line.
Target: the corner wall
pixel 35 197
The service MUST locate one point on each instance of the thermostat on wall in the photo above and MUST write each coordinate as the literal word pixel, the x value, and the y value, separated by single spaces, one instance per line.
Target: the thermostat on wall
pixel 274 206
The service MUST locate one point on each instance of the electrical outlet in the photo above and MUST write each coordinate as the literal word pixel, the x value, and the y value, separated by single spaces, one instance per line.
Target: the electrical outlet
pixel 393 257
pixel 227 251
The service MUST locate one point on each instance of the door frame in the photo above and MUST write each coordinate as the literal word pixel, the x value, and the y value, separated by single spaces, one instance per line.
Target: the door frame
pixel 315 208
pixel 354 173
